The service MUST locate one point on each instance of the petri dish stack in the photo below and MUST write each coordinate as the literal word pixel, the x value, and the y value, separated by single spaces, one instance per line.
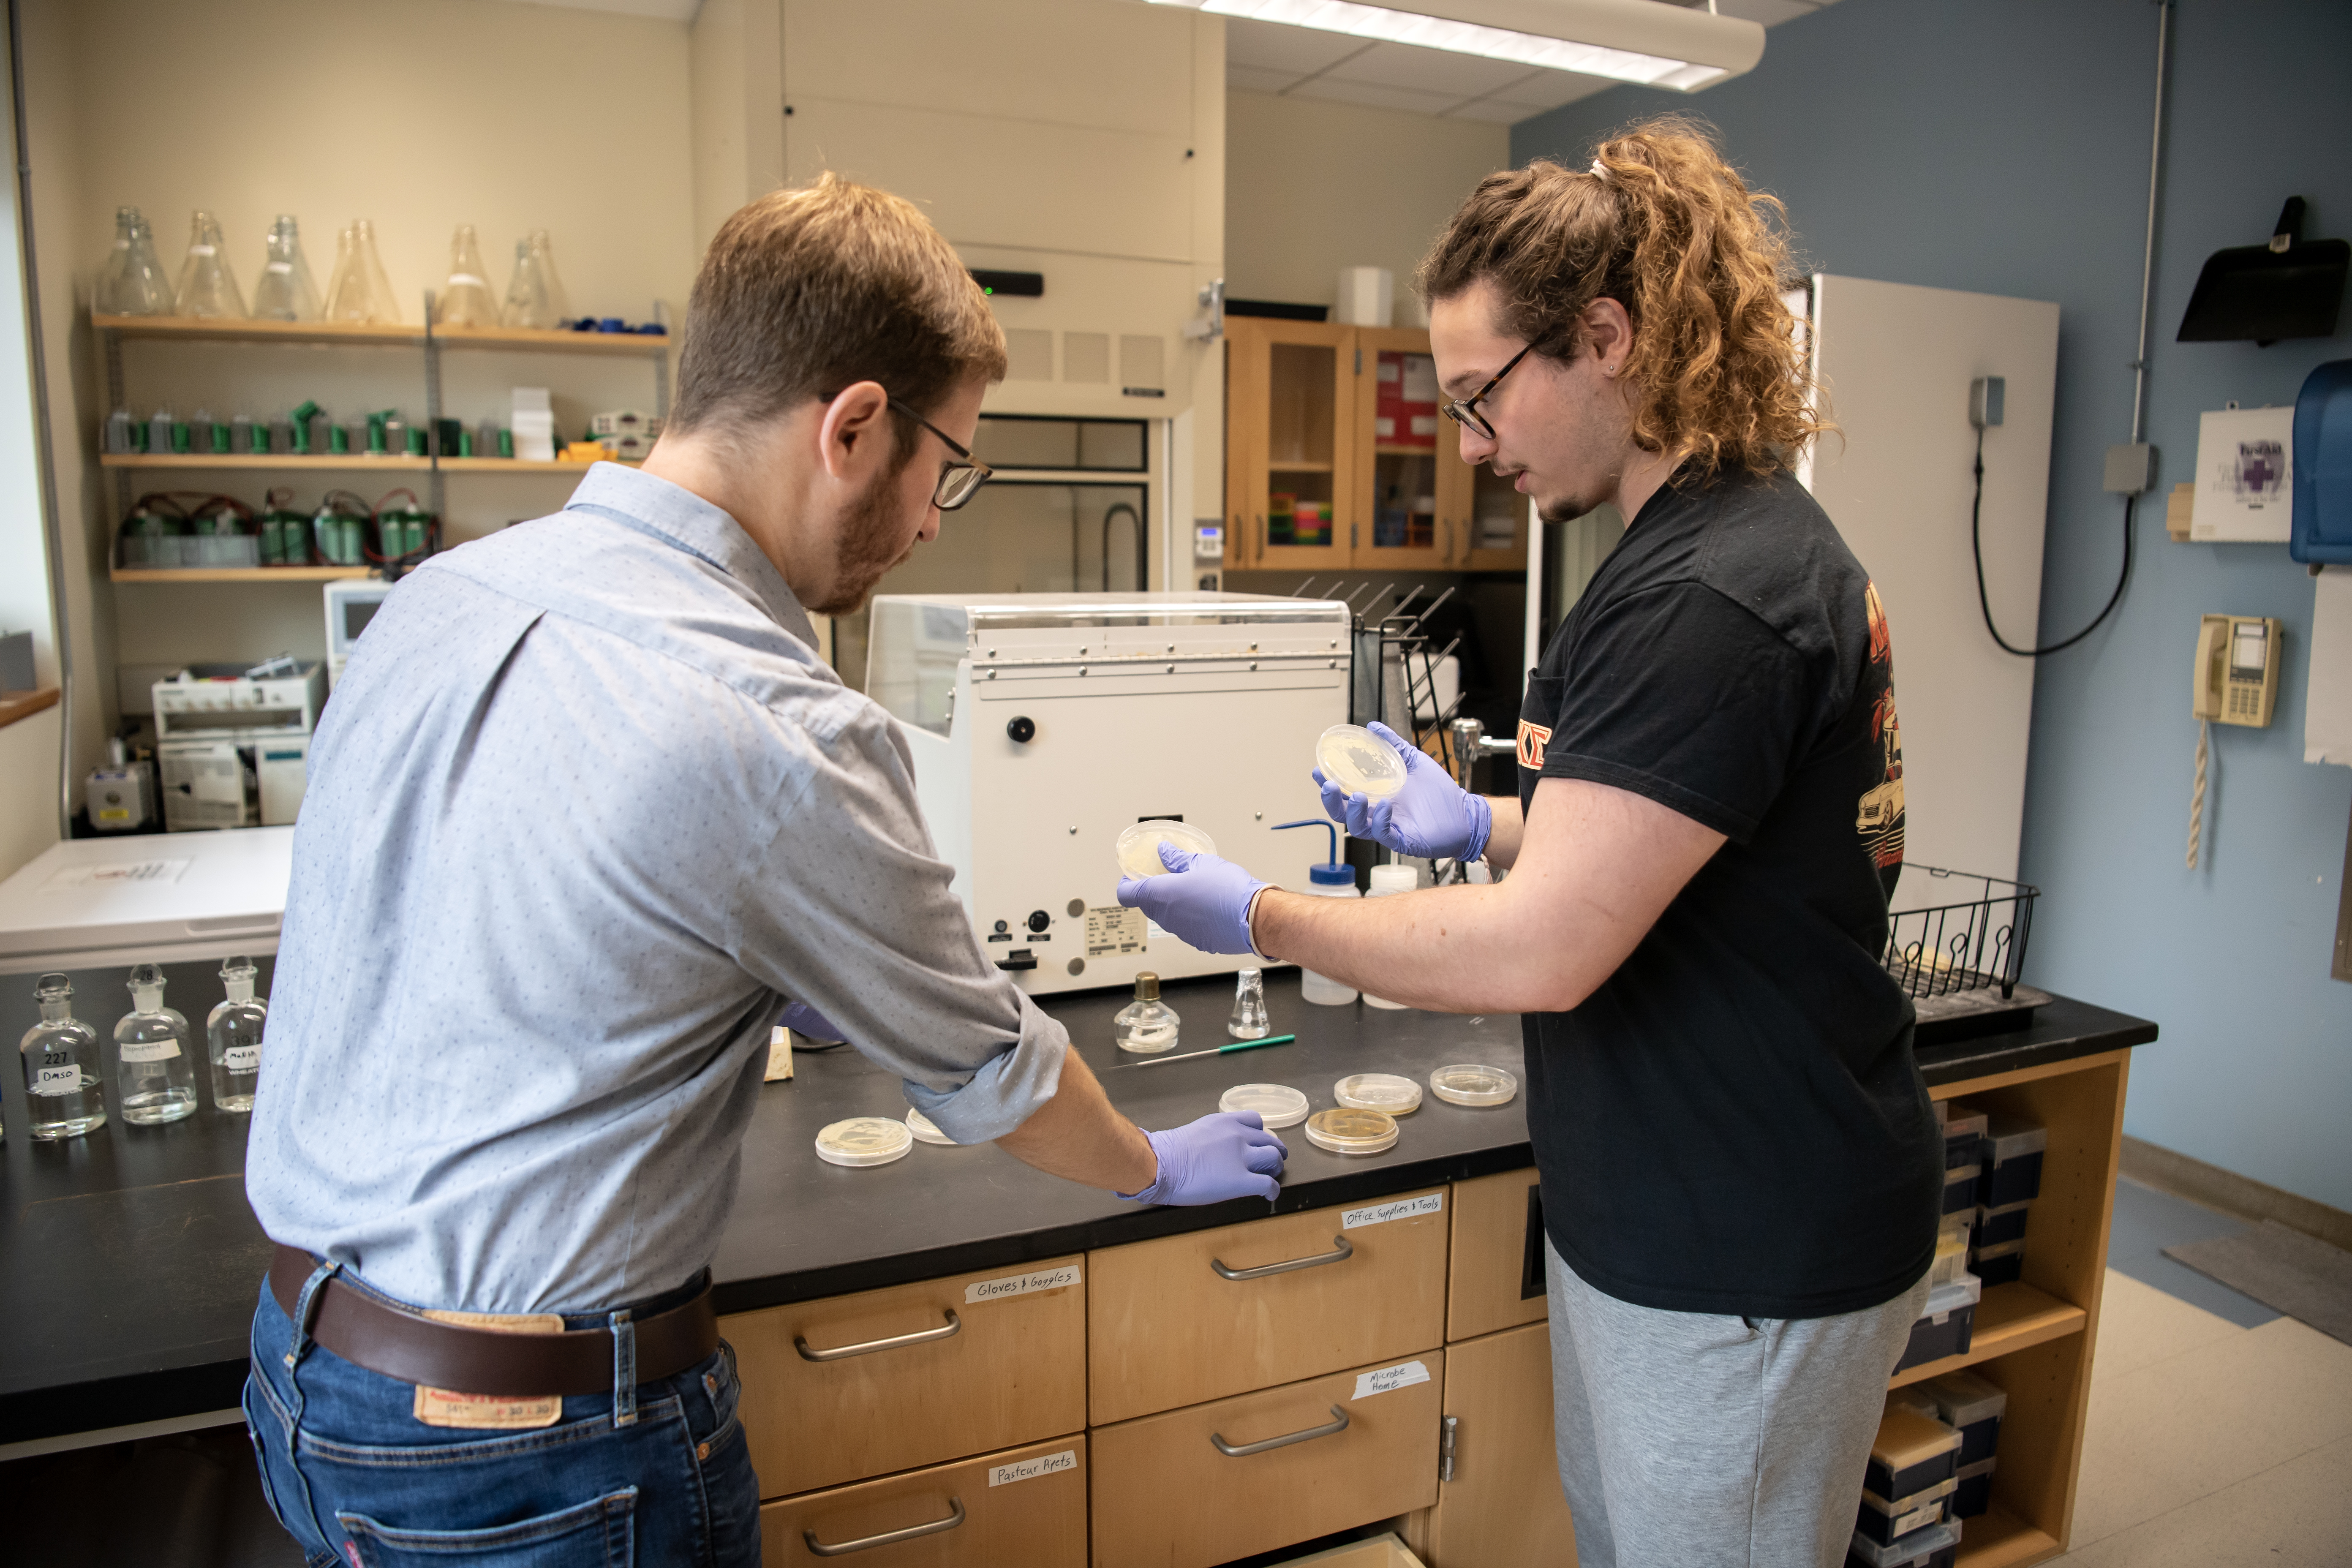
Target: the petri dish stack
pixel 1139 844
pixel 864 1140
pixel 1383 1091
pixel 1345 1132
pixel 1278 1104
pixel 925 1129
pixel 1474 1083
pixel 1359 761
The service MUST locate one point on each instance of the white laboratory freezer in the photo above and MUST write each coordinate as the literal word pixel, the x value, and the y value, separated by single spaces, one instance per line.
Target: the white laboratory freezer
pixel 155 898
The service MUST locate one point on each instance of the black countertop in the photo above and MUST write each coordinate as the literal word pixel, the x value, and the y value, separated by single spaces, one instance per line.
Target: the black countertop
pixel 133 1265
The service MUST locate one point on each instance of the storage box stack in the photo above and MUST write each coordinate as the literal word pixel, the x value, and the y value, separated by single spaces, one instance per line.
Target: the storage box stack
pixel 1949 1324
pixel 2010 1182
pixel 1913 1470
pixel 1973 1407
pixel 533 422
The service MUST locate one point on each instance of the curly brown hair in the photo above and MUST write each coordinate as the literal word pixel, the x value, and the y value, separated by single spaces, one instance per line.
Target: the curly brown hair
pixel 1667 229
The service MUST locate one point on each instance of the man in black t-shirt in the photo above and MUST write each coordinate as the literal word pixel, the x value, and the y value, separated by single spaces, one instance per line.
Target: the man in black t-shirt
pixel 1739 1165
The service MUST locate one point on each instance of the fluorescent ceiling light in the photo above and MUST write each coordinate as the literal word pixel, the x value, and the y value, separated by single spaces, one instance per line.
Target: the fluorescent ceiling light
pixel 1644 41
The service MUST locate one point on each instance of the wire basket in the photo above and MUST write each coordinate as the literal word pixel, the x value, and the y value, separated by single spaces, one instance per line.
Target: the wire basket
pixel 1974 944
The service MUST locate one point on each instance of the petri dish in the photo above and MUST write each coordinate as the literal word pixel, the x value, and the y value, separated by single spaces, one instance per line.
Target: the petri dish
pixel 1139 844
pixel 925 1129
pixel 1359 761
pixel 1278 1104
pixel 864 1140
pixel 1474 1083
pixel 1346 1131
pixel 1378 1091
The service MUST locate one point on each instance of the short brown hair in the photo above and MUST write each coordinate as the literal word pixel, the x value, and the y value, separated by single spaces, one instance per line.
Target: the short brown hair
pixel 809 288
pixel 1670 231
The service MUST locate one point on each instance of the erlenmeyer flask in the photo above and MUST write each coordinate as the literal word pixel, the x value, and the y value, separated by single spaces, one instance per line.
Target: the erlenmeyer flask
pixel 207 287
pixel 527 304
pixel 543 250
pixel 384 304
pixel 347 284
pixel 286 291
pixel 131 283
pixel 465 298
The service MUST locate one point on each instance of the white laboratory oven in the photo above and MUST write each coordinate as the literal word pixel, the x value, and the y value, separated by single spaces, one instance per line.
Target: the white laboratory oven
pixel 1043 723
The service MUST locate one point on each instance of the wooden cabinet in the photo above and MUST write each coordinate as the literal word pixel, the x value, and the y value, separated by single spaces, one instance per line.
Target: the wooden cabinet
pixel 861 1385
pixel 1495 1279
pixel 1214 1312
pixel 1500 1504
pixel 1023 1508
pixel 1215 1482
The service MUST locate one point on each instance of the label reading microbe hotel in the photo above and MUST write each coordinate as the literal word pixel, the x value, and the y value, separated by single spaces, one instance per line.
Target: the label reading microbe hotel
pixel 1030 1469
pixel 1403 1208
pixel 1021 1284
pixel 1388 1378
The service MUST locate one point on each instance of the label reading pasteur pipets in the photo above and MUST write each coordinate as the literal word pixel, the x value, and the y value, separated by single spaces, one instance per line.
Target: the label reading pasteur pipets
pixel 1403 1208
pixel 1021 1284
pixel 1030 1469
pixel 1388 1378
pixel 150 1050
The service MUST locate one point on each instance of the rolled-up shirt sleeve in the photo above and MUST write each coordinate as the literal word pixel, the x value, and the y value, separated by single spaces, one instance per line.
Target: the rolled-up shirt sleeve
pixel 845 907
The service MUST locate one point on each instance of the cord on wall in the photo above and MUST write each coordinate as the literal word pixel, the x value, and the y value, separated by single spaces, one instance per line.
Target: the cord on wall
pixel 2197 795
pixel 1984 602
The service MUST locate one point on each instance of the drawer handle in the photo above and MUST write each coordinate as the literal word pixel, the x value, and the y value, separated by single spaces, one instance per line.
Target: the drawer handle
pixel 1262 1270
pixel 1338 1424
pixel 953 1326
pixel 891 1537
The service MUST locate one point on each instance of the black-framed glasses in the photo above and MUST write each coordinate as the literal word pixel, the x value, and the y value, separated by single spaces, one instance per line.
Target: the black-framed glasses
pixel 958 480
pixel 1464 411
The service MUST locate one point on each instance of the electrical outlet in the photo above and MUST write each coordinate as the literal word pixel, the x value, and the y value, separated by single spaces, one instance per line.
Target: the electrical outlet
pixel 1986 395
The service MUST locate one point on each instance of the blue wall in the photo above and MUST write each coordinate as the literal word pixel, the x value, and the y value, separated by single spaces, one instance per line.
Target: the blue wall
pixel 2002 146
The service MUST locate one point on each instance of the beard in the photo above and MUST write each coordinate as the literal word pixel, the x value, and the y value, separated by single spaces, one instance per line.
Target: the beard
pixel 867 548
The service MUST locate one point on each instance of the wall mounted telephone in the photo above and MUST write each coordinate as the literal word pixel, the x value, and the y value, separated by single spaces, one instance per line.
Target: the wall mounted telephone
pixel 2235 682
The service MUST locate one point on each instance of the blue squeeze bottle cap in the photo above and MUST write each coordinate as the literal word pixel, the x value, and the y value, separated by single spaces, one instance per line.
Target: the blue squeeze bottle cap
pixel 1333 872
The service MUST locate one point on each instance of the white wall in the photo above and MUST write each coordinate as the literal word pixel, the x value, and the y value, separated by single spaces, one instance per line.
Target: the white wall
pixel 1311 187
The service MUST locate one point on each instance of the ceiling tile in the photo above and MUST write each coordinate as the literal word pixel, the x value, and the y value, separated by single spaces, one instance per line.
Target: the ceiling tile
pixel 1429 70
pixel 1272 46
pixel 1550 90
pixel 1256 79
pixel 1374 96
pixel 1772 13
pixel 1492 110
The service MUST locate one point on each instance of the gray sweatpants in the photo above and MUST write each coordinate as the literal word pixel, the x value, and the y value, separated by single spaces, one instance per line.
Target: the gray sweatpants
pixel 1692 1441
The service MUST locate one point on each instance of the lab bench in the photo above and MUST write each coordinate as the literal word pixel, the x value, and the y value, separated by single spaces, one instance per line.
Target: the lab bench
pixel 1048 1375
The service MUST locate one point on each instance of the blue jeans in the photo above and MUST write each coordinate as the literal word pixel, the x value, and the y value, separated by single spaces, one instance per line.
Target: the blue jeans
pixel 356 1480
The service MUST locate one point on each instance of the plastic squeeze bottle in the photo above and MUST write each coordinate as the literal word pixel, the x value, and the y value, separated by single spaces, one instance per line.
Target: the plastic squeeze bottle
pixel 1332 879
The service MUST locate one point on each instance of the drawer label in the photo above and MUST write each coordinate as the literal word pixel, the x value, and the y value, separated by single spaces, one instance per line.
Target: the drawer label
pixel 1388 1378
pixel 1403 1208
pixel 1030 1469
pixel 1021 1284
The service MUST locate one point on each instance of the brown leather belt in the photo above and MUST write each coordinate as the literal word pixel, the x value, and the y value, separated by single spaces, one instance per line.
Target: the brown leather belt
pixel 402 1344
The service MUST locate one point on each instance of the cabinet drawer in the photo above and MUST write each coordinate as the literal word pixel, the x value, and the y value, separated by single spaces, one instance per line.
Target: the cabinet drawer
pixel 1023 1508
pixel 1189 1317
pixel 980 1361
pixel 1496 1277
pixel 1167 1493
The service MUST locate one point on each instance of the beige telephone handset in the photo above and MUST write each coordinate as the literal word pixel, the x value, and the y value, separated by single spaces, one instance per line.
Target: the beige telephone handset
pixel 2235 682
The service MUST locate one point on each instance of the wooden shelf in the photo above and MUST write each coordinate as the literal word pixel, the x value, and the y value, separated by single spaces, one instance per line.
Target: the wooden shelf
pixel 345 461
pixel 1994 1540
pixel 1301 467
pixel 1399 449
pixel 510 466
pixel 236 573
pixel 16 705
pixel 2012 1317
pixel 348 334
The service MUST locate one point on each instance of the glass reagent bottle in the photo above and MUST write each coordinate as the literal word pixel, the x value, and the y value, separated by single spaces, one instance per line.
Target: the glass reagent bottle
pixel 233 1037
pixel 156 1079
pixel 1146 1025
pixel 62 1093
pixel 1249 1020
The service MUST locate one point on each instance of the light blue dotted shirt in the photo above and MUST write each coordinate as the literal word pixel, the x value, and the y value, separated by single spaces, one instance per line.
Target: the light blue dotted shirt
pixel 585 811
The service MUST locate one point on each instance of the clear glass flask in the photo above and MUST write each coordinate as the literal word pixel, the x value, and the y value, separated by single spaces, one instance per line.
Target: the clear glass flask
pixel 346 299
pixel 383 303
pixel 286 292
pixel 156 1078
pixel 1146 1025
pixel 465 299
pixel 543 250
pixel 207 287
pixel 233 1037
pixel 1249 1020
pixel 63 1096
pixel 528 302
pixel 132 283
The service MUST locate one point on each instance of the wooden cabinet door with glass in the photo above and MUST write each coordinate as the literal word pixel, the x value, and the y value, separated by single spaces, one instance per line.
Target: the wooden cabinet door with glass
pixel 1413 481
pixel 1291 473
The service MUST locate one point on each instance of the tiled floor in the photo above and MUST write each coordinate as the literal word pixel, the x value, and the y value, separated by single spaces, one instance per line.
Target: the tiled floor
pixel 2220 1433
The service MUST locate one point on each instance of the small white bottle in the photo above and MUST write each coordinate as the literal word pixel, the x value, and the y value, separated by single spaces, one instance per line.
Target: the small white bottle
pixel 1332 879
pixel 62 1094
pixel 1146 1025
pixel 155 1078
pixel 1387 882
pixel 233 1037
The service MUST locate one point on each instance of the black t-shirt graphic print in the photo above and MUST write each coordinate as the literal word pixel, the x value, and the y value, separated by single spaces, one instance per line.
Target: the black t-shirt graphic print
pixel 1732 1122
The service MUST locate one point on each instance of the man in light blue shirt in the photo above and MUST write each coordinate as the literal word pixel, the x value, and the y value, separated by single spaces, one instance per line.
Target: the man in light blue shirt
pixel 587 814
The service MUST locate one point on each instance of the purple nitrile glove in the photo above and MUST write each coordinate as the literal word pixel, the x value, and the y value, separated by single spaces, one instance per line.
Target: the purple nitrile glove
pixel 1431 816
pixel 802 1019
pixel 1204 901
pixel 1224 1154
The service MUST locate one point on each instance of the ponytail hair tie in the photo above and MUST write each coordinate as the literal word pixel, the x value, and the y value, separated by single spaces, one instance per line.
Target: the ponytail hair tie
pixel 1599 172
